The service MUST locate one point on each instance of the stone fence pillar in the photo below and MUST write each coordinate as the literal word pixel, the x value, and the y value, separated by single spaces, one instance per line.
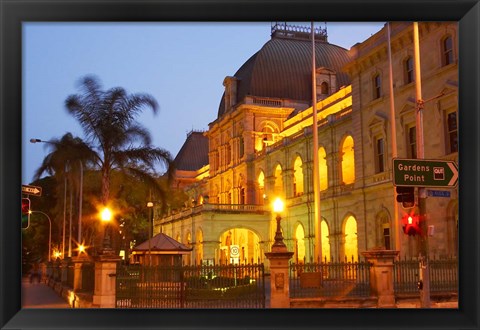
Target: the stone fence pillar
pixel 381 276
pixel 105 280
pixel 79 261
pixel 279 275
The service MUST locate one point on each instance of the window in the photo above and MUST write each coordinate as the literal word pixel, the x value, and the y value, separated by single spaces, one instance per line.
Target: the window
pixel 409 76
pixel 379 156
pixel 386 238
pixel 447 49
pixel 297 177
pixel 324 88
pixel 452 132
pixel 412 143
pixel 348 161
pixel 377 86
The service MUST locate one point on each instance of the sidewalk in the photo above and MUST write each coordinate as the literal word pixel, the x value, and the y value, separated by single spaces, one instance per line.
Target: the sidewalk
pixel 40 295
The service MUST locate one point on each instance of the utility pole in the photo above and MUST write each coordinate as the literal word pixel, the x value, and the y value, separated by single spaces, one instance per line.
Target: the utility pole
pixel 424 283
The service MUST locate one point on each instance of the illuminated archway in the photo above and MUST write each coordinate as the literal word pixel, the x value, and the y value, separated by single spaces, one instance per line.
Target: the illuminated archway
pixel 298 187
pixel 351 239
pixel 299 244
pixel 278 188
pixel 348 161
pixel 326 253
pixel 323 169
pixel 239 245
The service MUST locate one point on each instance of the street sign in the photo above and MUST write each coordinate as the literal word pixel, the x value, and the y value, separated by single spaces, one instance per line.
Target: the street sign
pixel 425 173
pixel 31 190
pixel 234 251
pixel 438 193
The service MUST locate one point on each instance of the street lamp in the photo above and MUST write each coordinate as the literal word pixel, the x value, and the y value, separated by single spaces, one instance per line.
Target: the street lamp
pixel 80 201
pixel 106 216
pixel 150 229
pixel 49 233
pixel 278 207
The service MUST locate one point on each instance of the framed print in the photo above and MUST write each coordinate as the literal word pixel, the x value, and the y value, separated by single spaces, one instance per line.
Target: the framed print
pixel 134 224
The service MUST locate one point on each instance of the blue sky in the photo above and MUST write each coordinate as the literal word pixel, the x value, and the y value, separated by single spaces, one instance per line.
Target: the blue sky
pixel 182 65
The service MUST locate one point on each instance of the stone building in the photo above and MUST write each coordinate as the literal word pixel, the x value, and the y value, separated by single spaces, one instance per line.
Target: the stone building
pixel 260 147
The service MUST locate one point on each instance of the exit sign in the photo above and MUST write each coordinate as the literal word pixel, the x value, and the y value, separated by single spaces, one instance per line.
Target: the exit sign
pixel 425 173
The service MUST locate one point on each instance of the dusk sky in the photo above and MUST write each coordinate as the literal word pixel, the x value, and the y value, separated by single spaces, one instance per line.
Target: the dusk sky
pixel 182 65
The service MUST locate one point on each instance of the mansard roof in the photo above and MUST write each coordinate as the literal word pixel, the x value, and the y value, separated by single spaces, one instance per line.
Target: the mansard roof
pixel 282 68
pixel 194 153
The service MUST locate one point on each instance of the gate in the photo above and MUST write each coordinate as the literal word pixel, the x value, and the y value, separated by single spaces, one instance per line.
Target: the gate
pixel 202 286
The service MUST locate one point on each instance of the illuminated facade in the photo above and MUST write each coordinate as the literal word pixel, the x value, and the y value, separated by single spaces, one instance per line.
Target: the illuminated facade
pixel 260 147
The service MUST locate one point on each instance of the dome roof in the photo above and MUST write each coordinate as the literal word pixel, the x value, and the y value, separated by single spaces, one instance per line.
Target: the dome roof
pixel 282 68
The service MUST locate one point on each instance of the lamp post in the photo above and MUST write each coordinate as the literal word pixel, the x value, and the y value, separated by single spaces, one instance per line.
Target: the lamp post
pixel 106 216
pixel 278 207
pixel 80 201
pixel 150 229
pixel 49 233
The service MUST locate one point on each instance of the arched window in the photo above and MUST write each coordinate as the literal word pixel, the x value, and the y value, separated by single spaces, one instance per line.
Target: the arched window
pixel 299 244
pixel 351 239
pixel 298 187
pixel 261 188
pixel 324 88
pixel 377 86
pixel 409 74
pixel 447 50
pixel 348 161
pixel 323 168
pixel 278 188
pixel 199 247
pixel 326 254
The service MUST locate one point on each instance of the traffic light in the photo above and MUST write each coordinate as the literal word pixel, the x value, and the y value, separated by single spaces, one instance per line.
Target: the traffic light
pixel 411 224
pixel 406 196
pixel 25 213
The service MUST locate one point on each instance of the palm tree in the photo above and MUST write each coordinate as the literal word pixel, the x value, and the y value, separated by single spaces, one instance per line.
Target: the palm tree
pixel 117 141
pixel 68 154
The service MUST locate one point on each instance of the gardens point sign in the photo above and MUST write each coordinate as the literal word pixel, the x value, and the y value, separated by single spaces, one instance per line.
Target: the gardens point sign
pixel 425 173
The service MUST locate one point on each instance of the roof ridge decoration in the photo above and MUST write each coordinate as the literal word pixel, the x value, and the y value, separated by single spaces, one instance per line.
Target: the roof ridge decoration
pixel 290 31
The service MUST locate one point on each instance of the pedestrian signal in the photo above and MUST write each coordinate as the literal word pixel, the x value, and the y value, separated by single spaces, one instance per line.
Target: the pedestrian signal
pixel 25 213
pixel 411 224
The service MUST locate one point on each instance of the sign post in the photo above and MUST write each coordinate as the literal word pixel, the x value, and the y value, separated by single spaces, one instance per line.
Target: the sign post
pixel 31 190
pixel 425 173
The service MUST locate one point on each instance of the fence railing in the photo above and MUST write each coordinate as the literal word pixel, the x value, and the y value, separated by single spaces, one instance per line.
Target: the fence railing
pixel 330 279
pixel 443 275
pixel 200 286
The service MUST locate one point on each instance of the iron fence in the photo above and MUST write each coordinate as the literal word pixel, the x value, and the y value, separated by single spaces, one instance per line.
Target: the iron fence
pixel 330 279
pixel 200 286
pixel 443 275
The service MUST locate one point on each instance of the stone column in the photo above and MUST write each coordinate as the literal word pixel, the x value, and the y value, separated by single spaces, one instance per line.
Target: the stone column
pixel 105 279
pixel 279 276
pixel 381 276
pixel 78 262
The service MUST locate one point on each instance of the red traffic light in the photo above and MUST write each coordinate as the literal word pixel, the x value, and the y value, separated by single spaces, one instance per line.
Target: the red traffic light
pixel 411 224
pixel 25 206
pixel 25 213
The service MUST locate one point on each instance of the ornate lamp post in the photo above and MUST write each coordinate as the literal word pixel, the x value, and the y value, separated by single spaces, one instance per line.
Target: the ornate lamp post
pixel 106 216
pixel 278 207
pixel 279 257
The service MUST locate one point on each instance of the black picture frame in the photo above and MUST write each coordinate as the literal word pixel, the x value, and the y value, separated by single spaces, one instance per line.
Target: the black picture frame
pixel 14 12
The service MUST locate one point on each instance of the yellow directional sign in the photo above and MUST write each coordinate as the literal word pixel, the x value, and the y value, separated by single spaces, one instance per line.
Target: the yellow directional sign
pixel 31 190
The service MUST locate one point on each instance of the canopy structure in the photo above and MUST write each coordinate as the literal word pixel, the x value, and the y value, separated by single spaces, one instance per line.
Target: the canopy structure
pixel 160 250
